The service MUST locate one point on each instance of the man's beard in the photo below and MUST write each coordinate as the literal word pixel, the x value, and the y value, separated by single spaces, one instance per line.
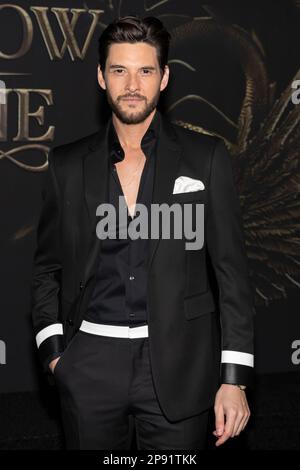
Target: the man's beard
pixel 134 117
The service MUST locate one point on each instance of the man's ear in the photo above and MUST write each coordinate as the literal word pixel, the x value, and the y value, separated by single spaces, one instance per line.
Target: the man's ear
pixel 165 78
pixel 100 77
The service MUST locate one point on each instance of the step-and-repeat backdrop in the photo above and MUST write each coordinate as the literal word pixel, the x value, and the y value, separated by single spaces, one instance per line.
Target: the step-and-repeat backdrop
pixel 234 73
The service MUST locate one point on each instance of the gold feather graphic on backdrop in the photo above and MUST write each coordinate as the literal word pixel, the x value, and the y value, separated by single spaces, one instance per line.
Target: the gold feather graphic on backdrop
pixel 265 163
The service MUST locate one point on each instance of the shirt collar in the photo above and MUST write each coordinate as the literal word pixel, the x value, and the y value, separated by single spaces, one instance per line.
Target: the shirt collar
pixel 116 151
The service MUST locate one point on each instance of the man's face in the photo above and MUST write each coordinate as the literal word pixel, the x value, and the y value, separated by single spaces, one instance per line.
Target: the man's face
pixel 132 80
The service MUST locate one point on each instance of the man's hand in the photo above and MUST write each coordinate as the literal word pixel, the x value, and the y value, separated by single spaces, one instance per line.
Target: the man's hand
pixel 53 364
pixel 230 402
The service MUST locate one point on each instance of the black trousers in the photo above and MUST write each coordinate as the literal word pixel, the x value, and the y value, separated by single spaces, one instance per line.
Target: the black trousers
pixel 102 381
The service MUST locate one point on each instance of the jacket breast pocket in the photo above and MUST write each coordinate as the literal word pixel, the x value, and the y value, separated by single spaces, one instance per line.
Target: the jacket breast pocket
pixel 199 304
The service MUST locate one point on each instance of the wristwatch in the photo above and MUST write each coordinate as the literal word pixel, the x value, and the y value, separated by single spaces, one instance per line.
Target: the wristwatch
pixel 241 387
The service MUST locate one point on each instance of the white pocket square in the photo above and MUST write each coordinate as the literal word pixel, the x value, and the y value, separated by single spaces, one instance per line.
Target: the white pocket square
pixel 185 184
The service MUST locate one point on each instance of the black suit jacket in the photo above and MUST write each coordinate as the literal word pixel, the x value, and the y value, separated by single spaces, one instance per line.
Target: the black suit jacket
pixel 199 337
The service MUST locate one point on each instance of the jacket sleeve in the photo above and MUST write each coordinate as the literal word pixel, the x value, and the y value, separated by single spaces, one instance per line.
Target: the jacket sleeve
pixel 46 274
pixel 226 246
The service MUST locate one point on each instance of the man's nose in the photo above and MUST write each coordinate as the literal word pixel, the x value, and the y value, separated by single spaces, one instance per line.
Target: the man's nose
pixel 132 83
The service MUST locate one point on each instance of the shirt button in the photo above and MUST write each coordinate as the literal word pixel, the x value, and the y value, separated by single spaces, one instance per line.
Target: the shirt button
pixel 131 278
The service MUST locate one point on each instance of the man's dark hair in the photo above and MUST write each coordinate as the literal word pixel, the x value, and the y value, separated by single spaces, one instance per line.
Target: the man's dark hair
pixel 134 29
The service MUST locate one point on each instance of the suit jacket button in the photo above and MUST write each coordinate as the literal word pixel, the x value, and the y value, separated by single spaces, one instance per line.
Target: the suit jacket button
pixel 81 285
pixel 70 321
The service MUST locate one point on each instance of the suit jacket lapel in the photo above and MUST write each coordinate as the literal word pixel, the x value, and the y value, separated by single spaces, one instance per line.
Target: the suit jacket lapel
pixel 167 166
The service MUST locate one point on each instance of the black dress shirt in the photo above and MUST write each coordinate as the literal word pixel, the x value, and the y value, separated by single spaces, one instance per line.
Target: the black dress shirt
pixel 120 285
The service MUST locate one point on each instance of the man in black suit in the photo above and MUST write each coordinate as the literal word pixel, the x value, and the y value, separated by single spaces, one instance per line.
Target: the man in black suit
pixel 133 325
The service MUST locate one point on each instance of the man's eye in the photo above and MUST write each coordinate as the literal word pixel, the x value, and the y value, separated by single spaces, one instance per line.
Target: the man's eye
pixel 146 71
pixel 119 70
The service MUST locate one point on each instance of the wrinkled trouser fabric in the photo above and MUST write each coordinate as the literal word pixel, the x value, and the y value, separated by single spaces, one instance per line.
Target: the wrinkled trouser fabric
pixel 105 385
